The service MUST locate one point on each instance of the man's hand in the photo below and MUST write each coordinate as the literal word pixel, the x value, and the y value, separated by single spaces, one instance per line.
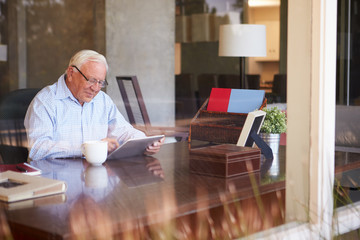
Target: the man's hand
pixel 112 144
pixel 154 167
pixel 155 147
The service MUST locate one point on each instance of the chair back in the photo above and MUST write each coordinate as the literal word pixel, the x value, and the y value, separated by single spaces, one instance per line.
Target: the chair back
pixel 137 113
pixel 252 81
pixel 185 96
pixel 205 82
pixel 133 100
pixel 13 141
pixel 279 87
pixel 229 81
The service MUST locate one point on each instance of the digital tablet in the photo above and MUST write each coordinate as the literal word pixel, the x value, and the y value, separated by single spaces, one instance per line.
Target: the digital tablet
pixel 133 147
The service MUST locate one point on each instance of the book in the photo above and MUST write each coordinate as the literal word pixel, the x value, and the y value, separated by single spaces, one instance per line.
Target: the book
pixel 16 186
pixel 24 168
pixel 245 100
pixel 235 100
pixel 219 99
pixel 35 202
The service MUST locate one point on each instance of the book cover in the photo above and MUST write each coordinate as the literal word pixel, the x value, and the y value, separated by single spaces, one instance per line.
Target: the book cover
pixel 245 100
pixel 24 168
pixel 15 186
pixel 219 99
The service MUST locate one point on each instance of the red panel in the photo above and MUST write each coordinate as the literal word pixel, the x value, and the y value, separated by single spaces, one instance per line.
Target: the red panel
pixel 219 99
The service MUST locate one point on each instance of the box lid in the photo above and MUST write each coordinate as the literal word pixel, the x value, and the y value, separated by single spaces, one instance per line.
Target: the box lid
pixel 228 152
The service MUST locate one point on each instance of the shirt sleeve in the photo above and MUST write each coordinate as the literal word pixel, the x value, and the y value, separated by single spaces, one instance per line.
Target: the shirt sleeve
pixel 119 128
pixel 40 123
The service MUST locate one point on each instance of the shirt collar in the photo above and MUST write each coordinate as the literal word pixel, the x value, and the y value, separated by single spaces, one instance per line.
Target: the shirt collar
pixel 63 91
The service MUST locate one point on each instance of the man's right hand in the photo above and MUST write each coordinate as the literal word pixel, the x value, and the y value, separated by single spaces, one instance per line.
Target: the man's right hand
pixel 112 143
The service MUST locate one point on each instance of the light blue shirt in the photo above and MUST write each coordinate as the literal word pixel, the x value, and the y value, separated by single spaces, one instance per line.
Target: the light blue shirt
pixel 56 124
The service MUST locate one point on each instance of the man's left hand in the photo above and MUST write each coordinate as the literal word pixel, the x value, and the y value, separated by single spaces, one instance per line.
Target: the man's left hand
pixel 155 147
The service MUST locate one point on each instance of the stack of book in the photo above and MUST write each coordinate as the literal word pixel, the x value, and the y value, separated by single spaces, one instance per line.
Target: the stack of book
pixel 16 183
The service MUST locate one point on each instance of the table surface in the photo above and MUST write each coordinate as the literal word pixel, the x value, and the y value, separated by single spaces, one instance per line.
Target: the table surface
pixel 141 190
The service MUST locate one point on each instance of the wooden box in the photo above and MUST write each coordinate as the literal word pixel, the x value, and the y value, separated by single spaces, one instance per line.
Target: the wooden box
pixel 225 160
pixel 217 127
pixel 244 182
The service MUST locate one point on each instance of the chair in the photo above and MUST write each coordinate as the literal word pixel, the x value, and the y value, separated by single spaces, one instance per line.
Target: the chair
pixel 279 87
pixel 205 83
pixel 229 81
pixel 252 81
pixel 137 113
pixel 185 97
pixel 13 141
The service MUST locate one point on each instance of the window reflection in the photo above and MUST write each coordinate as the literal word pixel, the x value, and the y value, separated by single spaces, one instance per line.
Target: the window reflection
pixel 347 92
pixel 198 66
pixel 41 36
pixel 347 132
pixel 37 38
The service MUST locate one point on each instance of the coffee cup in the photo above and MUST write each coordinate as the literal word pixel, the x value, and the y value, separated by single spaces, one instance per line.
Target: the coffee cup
pixel 95 151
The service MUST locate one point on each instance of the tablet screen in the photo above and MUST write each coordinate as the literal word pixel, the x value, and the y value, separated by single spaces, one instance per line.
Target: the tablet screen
pixel 133 147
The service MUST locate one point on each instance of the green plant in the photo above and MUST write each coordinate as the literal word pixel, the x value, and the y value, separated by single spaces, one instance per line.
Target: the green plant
pixel 275 121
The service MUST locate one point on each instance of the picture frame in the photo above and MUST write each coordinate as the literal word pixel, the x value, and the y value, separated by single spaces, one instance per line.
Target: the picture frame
pixel 253 123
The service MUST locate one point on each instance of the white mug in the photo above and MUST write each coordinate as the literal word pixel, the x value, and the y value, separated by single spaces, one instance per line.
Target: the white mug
pixel 95 151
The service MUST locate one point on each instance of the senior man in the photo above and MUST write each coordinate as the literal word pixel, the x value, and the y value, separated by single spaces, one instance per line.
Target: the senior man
pixel 74 109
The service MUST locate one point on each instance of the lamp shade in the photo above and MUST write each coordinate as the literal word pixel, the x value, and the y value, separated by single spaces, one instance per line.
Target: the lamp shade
pixel 242 40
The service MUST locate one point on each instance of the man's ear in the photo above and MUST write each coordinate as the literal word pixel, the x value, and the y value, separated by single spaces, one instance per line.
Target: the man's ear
pixel 69 72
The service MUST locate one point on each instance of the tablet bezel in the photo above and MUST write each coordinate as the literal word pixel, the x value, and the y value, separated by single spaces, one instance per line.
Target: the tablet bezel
pixel 133 147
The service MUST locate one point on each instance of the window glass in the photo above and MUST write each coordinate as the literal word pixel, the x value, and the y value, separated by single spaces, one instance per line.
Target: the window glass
pixel 37 39
pixel 198 64
pixel 347 133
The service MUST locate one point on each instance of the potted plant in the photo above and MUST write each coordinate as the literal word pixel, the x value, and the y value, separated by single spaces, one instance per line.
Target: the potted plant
pixel 274 124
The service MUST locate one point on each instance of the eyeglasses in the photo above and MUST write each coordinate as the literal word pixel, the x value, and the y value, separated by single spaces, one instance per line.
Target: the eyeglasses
pixel 92 81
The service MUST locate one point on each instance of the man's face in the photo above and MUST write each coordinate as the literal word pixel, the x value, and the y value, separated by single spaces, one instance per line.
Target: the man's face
pixel 82 90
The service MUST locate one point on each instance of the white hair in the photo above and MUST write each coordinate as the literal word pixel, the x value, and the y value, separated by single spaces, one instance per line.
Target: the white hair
pixel 84 56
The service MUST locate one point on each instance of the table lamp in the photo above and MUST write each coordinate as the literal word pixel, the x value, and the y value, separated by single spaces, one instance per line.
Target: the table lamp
pixel 242 40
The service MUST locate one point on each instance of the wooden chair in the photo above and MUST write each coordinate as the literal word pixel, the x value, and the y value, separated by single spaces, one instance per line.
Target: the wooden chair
pixel 252 81
pixel 185 97
pixel 205 83
pixel 137 113
pixel 279 87
pixel 13 141
pixel 229 81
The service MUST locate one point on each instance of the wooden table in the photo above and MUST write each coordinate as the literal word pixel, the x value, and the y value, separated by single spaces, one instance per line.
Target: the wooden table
pixel 145 195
